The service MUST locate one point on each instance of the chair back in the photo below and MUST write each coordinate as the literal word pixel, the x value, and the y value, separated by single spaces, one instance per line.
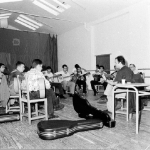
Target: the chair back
pixel 19 86
pixel 41 84
pixel 16 85
pixel 42 87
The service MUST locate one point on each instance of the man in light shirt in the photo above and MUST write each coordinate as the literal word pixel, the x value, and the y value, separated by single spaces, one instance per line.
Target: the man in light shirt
pixel 65 79
pixel 33 75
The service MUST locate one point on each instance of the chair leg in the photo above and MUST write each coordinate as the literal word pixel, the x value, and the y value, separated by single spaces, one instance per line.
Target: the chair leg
pixel 36 109
pixel 46 112
pixel 23 109
pixel 20 111
pixel 29 113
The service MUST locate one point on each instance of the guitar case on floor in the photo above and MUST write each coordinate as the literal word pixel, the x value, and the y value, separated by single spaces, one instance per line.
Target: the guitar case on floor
pixel 93 119
pixel 54 129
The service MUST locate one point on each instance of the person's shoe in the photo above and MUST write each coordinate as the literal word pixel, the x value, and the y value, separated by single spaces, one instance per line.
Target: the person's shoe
pixel 52 116
pixel 61 106
pixel 103 97
pixel 62 96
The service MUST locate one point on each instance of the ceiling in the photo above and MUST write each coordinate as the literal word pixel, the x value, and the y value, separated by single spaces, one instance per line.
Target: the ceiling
pixel 80 12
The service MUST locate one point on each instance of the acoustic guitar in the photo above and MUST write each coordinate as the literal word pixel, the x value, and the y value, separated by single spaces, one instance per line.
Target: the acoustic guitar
pixel 81 76
pixel 61 78
pixel 51 78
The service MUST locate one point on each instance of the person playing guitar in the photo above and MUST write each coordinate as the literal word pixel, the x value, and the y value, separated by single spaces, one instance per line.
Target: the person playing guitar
pixel 81 79
pixel 48 73
pixel 33 75
pixel 97 78
pixel 65 79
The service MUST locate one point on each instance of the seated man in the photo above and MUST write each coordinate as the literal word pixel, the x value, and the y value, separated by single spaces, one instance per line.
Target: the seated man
pixel 138 76
pixel 33 75
pixel 66 80
pixel 4 89
pixel 48 73
pixel 97 78
pixel 18 71
pixel 123 73
pixel 81 80
pixel 112 76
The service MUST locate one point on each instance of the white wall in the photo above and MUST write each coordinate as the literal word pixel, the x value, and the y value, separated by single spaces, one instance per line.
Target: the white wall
pixel 74 48
pixel 126 33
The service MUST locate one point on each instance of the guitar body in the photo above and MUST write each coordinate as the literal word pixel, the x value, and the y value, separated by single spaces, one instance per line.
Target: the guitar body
pixel 54 129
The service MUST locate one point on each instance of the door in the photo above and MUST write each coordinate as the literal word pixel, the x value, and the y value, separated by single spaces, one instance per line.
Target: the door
pixel 104 60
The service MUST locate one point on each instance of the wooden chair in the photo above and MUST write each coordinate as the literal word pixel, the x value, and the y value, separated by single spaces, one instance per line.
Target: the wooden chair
pixel 25 99
pixel 9 107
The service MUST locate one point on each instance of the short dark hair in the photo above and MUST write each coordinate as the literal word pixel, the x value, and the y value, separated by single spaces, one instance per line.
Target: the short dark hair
pixel 64 66
pixel 49 67
pixel 1 64
pixel 19 63
pixel 121 59
pixel 76 66
pixel 36 62
pixel 101 67
pixel 97 66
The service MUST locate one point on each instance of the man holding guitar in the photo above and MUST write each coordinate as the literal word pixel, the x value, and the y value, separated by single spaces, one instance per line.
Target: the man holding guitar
pixel 48 73
pixel 98 73
pixel 65 79
pixel 81 79
pixel 33 79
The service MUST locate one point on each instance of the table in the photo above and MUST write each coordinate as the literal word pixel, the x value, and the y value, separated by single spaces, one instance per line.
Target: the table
pixel 127 88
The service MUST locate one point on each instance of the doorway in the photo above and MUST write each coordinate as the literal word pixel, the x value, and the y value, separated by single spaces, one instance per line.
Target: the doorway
pixel 104 60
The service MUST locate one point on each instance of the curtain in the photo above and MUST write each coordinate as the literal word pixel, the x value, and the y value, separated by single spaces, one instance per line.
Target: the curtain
pixel 53 53
pixel 25 46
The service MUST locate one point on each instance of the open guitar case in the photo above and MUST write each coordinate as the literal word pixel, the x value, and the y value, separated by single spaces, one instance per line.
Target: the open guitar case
pixel 93 119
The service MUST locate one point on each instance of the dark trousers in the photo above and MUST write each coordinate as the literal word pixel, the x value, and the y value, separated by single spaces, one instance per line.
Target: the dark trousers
pixel 51 99
pixel 132 102
pixel 59 87
pixel 93 83
pixel 83 83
